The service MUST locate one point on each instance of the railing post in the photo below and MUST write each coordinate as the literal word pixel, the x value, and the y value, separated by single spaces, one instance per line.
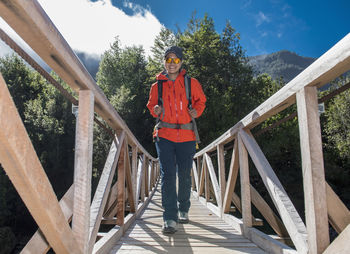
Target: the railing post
pixel 245 186
pixel 221 172
pixel 121 186
pixel 134 174
pixel 313 170
pixel 82 169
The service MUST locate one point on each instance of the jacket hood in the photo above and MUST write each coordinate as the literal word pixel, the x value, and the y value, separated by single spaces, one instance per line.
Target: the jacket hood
pixel 163 75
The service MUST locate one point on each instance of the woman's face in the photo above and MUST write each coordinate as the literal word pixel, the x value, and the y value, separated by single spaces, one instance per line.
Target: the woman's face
pixel 172 68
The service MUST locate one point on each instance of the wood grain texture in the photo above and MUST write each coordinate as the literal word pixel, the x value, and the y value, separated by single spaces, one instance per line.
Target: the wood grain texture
pixel 21 164
pixel 285 207
pixel 206 233
pixel 313 170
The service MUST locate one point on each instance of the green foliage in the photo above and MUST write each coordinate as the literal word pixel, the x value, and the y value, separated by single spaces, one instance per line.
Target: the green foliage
pixel 50 125
pixel 338 123
pixel 124 78
pixel 219 63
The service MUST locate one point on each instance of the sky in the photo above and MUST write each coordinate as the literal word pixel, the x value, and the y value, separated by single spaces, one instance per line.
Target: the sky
pixel 308 28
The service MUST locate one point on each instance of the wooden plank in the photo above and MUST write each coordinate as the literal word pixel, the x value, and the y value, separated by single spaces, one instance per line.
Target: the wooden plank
pixel 202 179
pixel 121 186
pixel 146 177
pixel 232 178
pixel 221 173
pixel 30 22
pixel 143 177
pixel 329 66
pixel 21 164
pixel 195 175
pixel 206 178
pixel 112 202
pixel 285 207
pixel 83 169
pixel 213 179
pixel 338 213
pixel 105 244
pixel 245 183
pixel 103 188
pixel 341 244
pixel 38 243
pixel 267 212
pixel 313 170
pixel 134 174
pixel 139 179
pixel 129 180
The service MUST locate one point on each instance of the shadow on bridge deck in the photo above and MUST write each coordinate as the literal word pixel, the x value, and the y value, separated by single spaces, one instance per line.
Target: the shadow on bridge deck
pixel 206 233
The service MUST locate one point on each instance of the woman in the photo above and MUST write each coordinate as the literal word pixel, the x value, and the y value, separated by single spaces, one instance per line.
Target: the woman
pixel 175 136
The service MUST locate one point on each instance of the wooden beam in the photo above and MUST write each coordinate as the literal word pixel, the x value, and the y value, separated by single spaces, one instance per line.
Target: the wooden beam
pixel 146 177
pixel 143 177
pixel 30 22
pixel 129 180
pixel 38 243
pixel 313 170
pixel 21 164
pixel 338 213
pixel 202 179
pixel 103 188
pixel 195 175
pixel 121 186
pixel 285 207
pixel 213 179
pixel 232 178
pixel 134 174
pixel 139 179
pixel 221 173
pixel 111 202
pixel 267 213
pixel 83 169
pixel 245 190
pixel 206 178
pixel 341 244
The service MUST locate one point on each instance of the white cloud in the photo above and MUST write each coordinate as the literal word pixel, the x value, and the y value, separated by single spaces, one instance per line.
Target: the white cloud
pixel 261 18
pixel 92 26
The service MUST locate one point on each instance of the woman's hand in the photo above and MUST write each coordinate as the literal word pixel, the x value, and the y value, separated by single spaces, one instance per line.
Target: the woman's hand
pixel 192 112
pixel 157 109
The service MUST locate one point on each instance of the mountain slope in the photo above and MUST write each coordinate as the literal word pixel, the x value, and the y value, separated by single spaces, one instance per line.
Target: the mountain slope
pixel 283 64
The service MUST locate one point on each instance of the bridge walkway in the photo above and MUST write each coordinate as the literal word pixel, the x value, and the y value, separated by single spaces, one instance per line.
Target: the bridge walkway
pixel 205 233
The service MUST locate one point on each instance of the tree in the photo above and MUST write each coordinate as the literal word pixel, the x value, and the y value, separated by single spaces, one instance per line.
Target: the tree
pixel 124 79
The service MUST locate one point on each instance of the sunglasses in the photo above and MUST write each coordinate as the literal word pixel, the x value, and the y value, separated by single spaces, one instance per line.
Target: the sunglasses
pixel 172 60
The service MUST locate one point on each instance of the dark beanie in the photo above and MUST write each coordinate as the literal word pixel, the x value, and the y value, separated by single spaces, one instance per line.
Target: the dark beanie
pixel 174 49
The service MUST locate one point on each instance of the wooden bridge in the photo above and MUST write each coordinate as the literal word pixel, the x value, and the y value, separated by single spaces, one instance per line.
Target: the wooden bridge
pixel 211 227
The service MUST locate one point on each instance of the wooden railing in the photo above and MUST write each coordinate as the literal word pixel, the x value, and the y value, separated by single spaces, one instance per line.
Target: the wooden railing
pixel 322 205
pixel 137 170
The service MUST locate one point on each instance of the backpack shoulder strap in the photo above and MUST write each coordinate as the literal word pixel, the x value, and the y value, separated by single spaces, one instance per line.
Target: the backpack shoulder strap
pixel 160 92
pixel 188 90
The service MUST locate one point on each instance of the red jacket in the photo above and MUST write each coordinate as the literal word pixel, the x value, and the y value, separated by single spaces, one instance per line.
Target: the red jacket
pixel 175 106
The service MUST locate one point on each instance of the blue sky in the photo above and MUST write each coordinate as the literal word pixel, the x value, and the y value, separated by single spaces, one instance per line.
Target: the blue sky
pixel 308 28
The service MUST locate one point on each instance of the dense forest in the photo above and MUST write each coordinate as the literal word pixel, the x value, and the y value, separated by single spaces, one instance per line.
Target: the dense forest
pixel 125 75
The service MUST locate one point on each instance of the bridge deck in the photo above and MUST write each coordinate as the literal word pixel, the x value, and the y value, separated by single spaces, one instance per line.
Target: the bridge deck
pixel 206 233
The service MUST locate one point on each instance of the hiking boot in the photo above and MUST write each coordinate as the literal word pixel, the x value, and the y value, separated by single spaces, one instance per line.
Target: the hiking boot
pixel 169 227
pixel 183 217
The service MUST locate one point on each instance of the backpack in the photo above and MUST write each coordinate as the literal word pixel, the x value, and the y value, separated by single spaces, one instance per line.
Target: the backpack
pixel 192 125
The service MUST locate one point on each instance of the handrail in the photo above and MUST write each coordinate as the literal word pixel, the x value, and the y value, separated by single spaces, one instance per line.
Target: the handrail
pixel 139 175
pixel 313 237
pixel 31 22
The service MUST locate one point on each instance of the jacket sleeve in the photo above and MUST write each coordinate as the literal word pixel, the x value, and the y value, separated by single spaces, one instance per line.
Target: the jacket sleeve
pixel 198 97
pixel 153 99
